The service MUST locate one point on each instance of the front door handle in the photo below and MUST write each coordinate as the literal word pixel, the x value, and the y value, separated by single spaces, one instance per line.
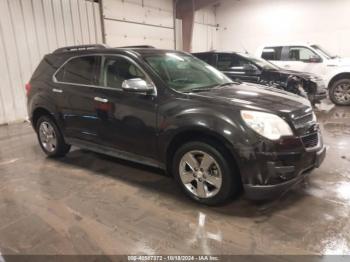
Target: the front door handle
pixel 100 99
pixel 287 66
pixel 55 90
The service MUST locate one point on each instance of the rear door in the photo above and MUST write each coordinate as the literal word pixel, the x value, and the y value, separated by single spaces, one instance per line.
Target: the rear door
pixel 76 82
pixel 128 120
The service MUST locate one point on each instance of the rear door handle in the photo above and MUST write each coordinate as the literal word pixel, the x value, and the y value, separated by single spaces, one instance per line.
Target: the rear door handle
pixel 287 66
pixel 57 90
pixel 100 99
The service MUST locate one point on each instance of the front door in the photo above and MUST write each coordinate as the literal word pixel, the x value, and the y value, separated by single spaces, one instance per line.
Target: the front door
pixel 302 59
pixel 238 67
pixel 128 120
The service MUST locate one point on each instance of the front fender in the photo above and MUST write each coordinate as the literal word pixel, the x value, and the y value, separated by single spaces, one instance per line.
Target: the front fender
pixel 201 120
pixel 335 72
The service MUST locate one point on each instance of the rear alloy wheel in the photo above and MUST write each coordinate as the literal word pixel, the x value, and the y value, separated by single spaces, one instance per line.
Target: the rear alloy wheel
pixel 339 93
pixel 50 138
pixel 204 172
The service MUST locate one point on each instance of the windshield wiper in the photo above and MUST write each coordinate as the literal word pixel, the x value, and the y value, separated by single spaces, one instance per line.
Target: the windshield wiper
pixel 226 84
pixel 194 90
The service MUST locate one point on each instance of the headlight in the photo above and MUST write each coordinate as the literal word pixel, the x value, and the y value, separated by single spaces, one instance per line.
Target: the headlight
pixel 268 125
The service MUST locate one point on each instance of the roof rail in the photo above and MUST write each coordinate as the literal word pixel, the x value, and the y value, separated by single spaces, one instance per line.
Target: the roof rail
pixel 79 47
pixel 137 46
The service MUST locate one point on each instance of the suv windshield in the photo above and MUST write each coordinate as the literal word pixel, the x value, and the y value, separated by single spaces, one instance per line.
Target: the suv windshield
pixel 323 52
pixel 186 73
pixel 261 62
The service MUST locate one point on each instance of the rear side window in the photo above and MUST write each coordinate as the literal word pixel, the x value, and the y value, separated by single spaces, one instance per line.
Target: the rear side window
pixel 80 70
pixel 224 62
pixel 272 53
pixel 205 57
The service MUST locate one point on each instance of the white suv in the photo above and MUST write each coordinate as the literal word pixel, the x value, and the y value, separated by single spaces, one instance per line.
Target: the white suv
pixel 334 70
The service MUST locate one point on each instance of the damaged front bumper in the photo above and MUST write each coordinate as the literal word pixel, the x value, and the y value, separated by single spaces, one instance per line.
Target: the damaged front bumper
pixel 282 171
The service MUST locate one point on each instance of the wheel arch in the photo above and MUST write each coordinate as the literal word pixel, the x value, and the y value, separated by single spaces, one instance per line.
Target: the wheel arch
pixel 38 112
pixel 339 76
pixel 203 135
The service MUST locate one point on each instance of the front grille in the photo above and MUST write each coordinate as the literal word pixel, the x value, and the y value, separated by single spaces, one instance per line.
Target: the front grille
pixel 301 121
pixel 311 140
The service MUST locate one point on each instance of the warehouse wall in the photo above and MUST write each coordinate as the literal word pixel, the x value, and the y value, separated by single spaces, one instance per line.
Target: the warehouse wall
pixel 205 30
pixel 29 29
pixel 251 23
pixel 139 22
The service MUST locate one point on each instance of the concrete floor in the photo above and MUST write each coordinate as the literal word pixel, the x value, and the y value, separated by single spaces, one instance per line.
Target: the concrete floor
pixel 87 203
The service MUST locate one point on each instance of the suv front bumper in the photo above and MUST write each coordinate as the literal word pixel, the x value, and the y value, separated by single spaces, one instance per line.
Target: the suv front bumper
pixel 286 175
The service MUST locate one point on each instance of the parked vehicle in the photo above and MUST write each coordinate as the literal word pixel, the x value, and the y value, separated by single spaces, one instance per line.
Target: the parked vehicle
pixel 312 58
pixel 239 66
pixel 171 110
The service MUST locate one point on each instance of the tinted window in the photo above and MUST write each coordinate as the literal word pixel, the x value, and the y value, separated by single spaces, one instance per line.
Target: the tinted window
pixel 297 53
pixel 272 53
pixel 81 70
pixel 118 69
pixel 224 62
pixel 205 57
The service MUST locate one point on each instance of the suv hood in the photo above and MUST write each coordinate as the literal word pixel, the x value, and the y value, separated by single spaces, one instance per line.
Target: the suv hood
pixel 256 97
pixel 339 61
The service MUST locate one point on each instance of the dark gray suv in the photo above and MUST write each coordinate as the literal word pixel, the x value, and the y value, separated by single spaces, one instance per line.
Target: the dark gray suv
pixel 171 110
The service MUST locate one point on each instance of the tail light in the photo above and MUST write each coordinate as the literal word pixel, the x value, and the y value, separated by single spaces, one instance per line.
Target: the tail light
pixel 28 88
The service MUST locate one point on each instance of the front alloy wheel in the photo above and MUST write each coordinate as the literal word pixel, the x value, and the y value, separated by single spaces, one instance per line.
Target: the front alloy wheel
pixel 200 174
pixel 206 172
pixel 340 92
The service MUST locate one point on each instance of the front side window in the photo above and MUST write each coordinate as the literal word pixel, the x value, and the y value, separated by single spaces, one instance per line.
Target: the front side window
pixel 80 70
pixel 272 53
pixel 185 73
pixel 300 54
pixel 118 69
pixel 227 62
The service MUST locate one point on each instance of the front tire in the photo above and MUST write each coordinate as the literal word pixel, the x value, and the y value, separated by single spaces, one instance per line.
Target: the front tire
pixel 205 173
pixel 50 138
pixel 339 92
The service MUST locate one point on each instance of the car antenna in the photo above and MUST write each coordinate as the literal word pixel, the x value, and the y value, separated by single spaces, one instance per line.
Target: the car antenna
pixel 245 50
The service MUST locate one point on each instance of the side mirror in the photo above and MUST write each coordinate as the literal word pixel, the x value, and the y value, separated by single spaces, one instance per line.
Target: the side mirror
pixel 137 85
pixel 314 59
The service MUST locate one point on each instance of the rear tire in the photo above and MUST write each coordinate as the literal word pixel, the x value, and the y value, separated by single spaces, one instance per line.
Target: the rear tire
pixel 205 172
pixel 339 92
pixel 50 137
